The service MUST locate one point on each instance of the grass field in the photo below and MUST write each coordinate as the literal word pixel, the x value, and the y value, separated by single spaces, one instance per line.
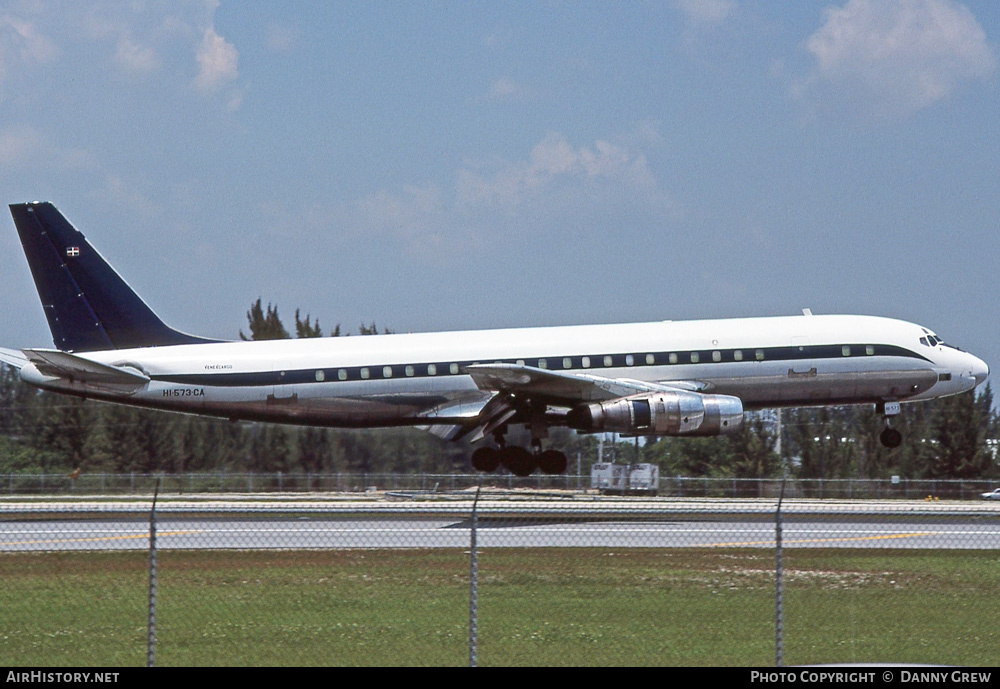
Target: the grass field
pixel 562 606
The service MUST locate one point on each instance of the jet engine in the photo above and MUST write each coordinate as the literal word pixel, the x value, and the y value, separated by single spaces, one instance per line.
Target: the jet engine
pixel 666 413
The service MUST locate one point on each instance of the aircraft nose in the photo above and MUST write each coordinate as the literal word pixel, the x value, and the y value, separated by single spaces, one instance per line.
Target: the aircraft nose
pixel 980 371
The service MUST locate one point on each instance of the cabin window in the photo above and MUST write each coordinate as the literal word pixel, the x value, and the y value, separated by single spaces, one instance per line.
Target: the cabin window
pixel 387 371
pixel 320 376
pixel 869 349
pixel 695 358
pixel 629 359
pixel 342 374
pixel 542 363
pixel 608 361
pixel 585 361
pixel 432 369
pixel 520 362
pixel 672 358
pixel 759 355
pixel 365 373
pixel 453 368
pixel 409 371
pixel 567 362
pixel 738 355
pixel 650 359
pixel 845 350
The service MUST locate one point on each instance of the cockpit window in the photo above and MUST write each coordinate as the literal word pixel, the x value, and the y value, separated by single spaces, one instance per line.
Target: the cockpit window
pixel 924 342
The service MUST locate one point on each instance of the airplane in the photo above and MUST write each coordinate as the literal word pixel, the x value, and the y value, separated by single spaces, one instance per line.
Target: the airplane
pixel 669 378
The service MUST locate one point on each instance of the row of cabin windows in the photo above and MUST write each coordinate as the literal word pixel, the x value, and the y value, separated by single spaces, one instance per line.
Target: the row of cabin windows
pixel 409 371
pixel 366 373
pixel 673 358
pixel 585 362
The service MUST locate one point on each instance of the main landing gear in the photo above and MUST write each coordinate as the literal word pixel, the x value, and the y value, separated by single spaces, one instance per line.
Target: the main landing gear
pixel 518 460
pixel 890 437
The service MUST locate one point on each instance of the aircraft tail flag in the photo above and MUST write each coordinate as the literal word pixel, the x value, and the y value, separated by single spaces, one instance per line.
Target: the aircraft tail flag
pixel 89 307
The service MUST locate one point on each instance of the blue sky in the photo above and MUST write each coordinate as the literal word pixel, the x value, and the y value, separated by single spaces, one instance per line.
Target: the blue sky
pixel 452 165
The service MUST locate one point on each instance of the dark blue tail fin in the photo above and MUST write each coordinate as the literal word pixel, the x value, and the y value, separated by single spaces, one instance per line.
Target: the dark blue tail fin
pixel 88 306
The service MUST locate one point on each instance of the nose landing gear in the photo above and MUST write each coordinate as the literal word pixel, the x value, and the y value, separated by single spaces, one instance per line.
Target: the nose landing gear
pixel 890 437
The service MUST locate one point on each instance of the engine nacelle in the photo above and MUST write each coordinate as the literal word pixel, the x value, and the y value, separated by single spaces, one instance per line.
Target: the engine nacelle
pixel 664 413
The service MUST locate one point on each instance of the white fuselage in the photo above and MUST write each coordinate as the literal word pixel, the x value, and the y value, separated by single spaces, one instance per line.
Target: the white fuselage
pixel 421 379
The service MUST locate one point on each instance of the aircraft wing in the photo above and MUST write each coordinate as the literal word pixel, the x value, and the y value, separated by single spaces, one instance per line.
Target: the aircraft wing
pixel 568 387
pixel 515 384
pixel 87 373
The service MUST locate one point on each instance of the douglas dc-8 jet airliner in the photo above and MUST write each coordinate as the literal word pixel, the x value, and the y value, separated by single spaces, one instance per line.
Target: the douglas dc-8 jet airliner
pixel 683 378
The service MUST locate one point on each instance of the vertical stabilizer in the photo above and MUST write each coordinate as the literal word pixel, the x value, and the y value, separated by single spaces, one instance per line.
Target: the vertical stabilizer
pixel 87 304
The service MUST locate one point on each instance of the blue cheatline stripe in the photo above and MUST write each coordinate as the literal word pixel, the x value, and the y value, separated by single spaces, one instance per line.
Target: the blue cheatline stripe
pixel 597 362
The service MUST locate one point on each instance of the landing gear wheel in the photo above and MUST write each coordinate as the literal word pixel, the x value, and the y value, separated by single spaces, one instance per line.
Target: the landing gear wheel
pixel 485 459
pixel 552 462
pixel 890 437
pixel 518 461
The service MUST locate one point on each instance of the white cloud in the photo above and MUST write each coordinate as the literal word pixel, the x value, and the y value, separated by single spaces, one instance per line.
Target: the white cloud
pixel 412 213
pixel 555 161
pixel 887 59
pixel 281 39
pixel 125 193
pixel 217 62
pixel 701 12
pixel 17 143
pixel 505 88
pixel 173 40
pixel 557 188
pixel 136 58
pixel 20 36
pixel 24 145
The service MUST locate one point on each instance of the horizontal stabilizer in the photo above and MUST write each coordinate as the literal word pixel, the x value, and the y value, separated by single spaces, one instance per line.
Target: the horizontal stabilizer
pixel 76 369
pixel 12 357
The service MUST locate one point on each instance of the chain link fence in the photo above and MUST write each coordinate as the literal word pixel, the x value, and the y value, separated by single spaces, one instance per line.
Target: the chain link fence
pixel 498 576
pixel 677 486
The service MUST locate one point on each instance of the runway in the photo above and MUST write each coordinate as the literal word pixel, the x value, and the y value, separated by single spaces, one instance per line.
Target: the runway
pixel 368 524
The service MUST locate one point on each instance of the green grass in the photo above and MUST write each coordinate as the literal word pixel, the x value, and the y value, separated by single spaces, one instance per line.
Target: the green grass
pixel 560 606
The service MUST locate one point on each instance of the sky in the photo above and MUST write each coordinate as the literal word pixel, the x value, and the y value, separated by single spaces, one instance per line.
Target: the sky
pixel 463 165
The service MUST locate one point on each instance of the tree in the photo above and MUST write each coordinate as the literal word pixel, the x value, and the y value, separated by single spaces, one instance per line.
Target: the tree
pixel 304 329
pixel 753 452
pixel 959 429
pixel 372 329
pixel 265 326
